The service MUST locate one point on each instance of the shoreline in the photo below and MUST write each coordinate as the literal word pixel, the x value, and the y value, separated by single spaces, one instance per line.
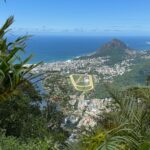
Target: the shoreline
pixel 77 57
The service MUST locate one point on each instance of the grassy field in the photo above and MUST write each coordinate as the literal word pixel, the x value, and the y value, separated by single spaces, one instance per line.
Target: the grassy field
pixel 82 82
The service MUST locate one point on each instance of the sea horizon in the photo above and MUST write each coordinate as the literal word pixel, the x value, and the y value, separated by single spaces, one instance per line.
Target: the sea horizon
pixel 62 48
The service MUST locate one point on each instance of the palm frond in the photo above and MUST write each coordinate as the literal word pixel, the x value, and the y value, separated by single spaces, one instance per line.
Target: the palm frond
pixel 7 24
pixel 12 70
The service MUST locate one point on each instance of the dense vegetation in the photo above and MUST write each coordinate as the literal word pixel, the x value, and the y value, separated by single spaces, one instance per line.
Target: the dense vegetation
pixel 24 123
pixel 126 127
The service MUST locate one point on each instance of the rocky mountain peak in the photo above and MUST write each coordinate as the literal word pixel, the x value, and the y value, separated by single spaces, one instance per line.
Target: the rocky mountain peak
pixel 115 43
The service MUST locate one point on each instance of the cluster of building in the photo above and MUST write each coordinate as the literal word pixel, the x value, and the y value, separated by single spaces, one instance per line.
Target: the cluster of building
pixel 86 114
pixel 117 69
pixel 95 66
pixel 76 65
pixel 85 65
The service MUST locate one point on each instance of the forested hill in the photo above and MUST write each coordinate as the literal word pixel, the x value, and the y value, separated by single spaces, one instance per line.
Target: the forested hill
pixel 115 49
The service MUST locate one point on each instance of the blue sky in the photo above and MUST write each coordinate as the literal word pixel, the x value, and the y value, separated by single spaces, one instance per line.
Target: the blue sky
pixel 78 17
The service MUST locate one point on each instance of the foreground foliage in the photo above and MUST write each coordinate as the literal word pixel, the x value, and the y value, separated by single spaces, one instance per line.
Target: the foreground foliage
pixel 24 124
pixel 13 72
pixel 7 143
pixel 20 115
pixel 127 127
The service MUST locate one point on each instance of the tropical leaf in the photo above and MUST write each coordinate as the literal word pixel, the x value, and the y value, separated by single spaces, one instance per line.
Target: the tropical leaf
pixel 12 70
pixel 7 24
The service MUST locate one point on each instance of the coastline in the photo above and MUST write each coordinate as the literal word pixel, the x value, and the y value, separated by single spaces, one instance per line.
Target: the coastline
pixel 54 49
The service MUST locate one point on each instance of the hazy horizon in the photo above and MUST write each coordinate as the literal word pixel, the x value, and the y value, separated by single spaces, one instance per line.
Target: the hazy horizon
pixel 78 18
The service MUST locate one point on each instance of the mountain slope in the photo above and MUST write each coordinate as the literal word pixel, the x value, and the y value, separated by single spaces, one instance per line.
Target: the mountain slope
pixel 116 49
pixel 113 47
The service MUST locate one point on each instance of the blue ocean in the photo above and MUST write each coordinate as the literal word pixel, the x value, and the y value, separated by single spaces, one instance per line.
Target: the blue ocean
pixel 59 48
